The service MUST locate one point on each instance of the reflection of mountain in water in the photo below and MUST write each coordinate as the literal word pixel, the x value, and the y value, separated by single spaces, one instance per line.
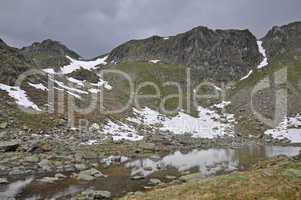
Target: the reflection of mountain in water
pixel 211 161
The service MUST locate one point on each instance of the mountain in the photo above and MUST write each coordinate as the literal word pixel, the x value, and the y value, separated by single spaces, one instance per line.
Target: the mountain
pixel 284 41
pixel 218 54
pixel 12 63
pixel 282 77
pixel 48 53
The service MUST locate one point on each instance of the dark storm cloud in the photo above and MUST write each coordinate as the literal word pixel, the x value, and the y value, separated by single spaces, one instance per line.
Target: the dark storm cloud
pixel 93 27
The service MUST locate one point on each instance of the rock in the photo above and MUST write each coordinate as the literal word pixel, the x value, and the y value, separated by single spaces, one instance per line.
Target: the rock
pixel 45 164
pixel 267 173
pixel 9 146
pixel 154 181
pixel 148 168
pixel 85 177
pixel 39 147
pixel 48 179
pixel 60 176
pixel 81 167
pixel 33 159
pixel 137 177
pixel 192 177
pixel 93 172
pixel 69 168
pixel 94 127
pixel 3 134
pixel 3 181
pixel 102 195
pixel 3 125
pixel 170 177
pixel 139 193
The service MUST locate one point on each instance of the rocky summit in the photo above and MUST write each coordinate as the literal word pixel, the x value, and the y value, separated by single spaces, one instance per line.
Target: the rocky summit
pixel 217 54
pixel 48 53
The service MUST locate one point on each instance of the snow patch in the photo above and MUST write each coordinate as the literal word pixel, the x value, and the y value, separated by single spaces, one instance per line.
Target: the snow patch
pixel 290 129
pixel 247 76
pixel 166 38
pixel 222 105
pixel 154 61
pixel 77 64
pixel 39 86
pixel 121 131
pixel 76 81
pixel 69 89
pixel 19 95
pixel 208 124
pixel 264 62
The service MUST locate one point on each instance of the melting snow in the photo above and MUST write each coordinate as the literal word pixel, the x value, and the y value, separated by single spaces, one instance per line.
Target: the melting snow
pixel 20 96
pixel 121 131
pixel 77 64
pixel 209 124
pixel 69 89
pixel 76 81
pixel 264 62
pixel 39 86
pixel 103 83
pixel 290 129
pixel 222 105
pixel 247 76
pixel 154 61
pixel 166 38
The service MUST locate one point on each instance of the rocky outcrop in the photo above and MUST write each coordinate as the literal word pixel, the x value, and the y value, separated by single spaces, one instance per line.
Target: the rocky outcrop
pixel 284 41
pixel 217 54
pixel 48 53
pixel 85 75
pixel 12 63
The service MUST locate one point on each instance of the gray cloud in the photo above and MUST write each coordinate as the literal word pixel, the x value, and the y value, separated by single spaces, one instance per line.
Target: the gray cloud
pixel 94 27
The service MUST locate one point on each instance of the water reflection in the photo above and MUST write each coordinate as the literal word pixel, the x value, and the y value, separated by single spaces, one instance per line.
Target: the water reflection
pixel 211 161
pixel 11 190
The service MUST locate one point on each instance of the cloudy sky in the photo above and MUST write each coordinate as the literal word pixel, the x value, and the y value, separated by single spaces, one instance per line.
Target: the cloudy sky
pixel 94 27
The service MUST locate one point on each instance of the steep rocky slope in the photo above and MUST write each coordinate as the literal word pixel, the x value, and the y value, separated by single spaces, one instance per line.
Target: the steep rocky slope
pixel 279 83
pixel 217 54
pixel 12 63
pixel 284 40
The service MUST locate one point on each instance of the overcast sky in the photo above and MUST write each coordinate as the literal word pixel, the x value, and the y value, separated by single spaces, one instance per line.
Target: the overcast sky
pixel 94 27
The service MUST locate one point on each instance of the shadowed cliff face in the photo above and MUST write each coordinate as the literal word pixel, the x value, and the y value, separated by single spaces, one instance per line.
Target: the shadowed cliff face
pixel 220 54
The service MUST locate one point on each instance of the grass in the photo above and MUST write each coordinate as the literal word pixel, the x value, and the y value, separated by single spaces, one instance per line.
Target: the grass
pixel 267 180
pixel 157 74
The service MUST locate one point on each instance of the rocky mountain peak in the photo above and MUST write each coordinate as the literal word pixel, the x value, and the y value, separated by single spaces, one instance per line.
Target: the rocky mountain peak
pixel 49 53
pixel 284 40
pixel 226 54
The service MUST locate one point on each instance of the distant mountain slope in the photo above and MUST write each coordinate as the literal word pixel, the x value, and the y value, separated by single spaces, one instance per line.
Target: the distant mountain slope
pixel 48 53
pixel 217 54
pixel 12 63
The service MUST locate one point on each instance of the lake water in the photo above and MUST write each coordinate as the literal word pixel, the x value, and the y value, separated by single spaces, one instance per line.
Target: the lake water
pixel 209 162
